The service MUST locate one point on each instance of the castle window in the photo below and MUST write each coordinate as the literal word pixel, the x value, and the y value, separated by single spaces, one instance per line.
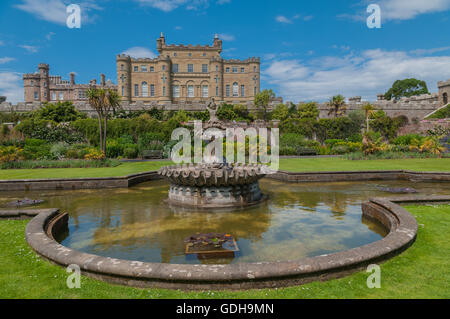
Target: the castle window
pixel 45 94
pixel 53 96
pixel 122 78
pixel 242 90
pixel 205 91
pixel 164 79
pixel 144 68
pixel 123 91
pixel 175 54
pixel 136 90
pixel 176 91
pixel 217 68
pixel 227 70
pixel 235 69
pixel 235 89
pixel 217 79
pixel 205 68
pixel 152 90
pixel 175 68
pixel 445 97
pixel 254 92
pixel 121 67
pixel 61 96
pixel 190 68
pixel 204 54
pixel 163 67
pixel 190 54
pixel 45 84
pixel 228 90
pixel 32 83
pixel 191 91
pixel 164 91
pixel 217 91
pixel 36 95
pixel 152 69
pixel 136 69
pixel 254 69
pixel 144 89
pixel 242 70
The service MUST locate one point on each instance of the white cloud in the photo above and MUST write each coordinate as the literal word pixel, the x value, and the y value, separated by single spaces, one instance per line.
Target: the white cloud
pixel 170 5
pixel 409 9
pixel 430 51
pixel 29 48
pixel 11 86
pixel 365 74
pixel 6 60
pixel 54 11
pixel 140 52
pixel 227 37
pixel 283 19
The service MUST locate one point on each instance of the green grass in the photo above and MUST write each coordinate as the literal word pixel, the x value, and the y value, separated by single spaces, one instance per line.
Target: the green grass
pixel 289 164
pixel 420 272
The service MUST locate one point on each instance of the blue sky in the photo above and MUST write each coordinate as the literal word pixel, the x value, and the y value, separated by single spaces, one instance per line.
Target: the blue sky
pixel 310 50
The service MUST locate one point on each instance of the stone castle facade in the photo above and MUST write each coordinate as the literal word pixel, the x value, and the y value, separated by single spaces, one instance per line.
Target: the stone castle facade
pixel 187 75
pixel 41 87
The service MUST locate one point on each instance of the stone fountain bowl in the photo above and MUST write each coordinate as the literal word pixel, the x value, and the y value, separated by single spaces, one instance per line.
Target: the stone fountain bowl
pixel 213 175
pixel 214 185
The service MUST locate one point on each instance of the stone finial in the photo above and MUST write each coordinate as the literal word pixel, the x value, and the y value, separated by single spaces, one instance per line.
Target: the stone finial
pixel 72 78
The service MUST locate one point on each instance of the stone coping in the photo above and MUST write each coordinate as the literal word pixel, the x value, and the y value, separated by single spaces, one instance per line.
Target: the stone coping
pixel 401 227
pixel 130 180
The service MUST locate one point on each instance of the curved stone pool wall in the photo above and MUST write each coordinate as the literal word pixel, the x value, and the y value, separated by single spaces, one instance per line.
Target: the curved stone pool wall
pixel 401 225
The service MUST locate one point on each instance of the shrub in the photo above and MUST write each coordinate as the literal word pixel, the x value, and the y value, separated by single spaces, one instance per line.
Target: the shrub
pixel 59 112
pixel 94 154
pixel 407 139
pixel 59 164
pixel 11 154
pixel 443 113
pixel 59 150
pixel 291 140
pixel 130 151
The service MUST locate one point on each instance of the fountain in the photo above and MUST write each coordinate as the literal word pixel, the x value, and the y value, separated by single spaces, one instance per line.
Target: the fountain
pixel 214 185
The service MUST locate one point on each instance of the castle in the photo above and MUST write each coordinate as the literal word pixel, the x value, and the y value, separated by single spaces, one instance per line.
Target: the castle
pixel 188 74
pixel 187 77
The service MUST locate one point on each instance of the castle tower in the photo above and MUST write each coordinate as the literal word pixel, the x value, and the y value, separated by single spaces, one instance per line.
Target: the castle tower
pixel 45 82
pixel 255 76
pixel 444 92
pixel 216 78
pixel 124 77
pixel 160 43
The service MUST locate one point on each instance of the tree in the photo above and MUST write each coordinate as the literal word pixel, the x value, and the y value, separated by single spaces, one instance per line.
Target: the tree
pixel 308 110
pixel 59 112
pixel 406 88
pixel 337 106
pixel 368 110
pixel 104 102
pixel 262 100
pixel 281 112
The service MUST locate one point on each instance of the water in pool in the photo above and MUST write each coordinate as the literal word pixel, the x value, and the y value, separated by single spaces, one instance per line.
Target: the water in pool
pixel 298 220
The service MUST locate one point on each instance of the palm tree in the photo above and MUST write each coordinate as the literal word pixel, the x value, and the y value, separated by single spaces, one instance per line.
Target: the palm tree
pixel 337 106
pixel 368 109
pixel 103 101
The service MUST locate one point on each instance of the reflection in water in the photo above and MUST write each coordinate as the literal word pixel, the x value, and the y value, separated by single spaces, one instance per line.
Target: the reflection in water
pixel 298 220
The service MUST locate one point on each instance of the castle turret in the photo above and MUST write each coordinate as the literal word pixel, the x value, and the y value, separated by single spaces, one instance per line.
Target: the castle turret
pixel 444 92
pixel 161 43
pixel 165 65
pixel 102 80
pixel 124 76
pixel 72 78
pixel 44 81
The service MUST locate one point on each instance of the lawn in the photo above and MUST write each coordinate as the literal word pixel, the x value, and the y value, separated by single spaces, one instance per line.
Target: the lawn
pixel 288 164
pixel 420 272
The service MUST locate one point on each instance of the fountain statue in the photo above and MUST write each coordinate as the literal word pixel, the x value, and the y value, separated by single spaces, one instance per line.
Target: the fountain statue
pixel 214 183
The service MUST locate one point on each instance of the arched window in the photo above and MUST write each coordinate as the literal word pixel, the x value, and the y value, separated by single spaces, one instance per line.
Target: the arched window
pixel 235 89
pixel 144 89
pixel 445 98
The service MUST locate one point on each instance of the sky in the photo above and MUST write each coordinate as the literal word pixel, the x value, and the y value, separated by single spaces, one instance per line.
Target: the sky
pixel 309 50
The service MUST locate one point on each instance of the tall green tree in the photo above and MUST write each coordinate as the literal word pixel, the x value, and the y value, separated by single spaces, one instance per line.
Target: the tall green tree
pixel 406 88
pixel 104 102
pixel 337 106
pixel 308 110
pixel 262 100
pixel 281 112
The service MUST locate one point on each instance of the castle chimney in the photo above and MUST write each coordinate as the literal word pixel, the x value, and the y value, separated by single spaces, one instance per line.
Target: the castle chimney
pixel 94 81
pixel 72 78
pixel 102 79
pixel 380 97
